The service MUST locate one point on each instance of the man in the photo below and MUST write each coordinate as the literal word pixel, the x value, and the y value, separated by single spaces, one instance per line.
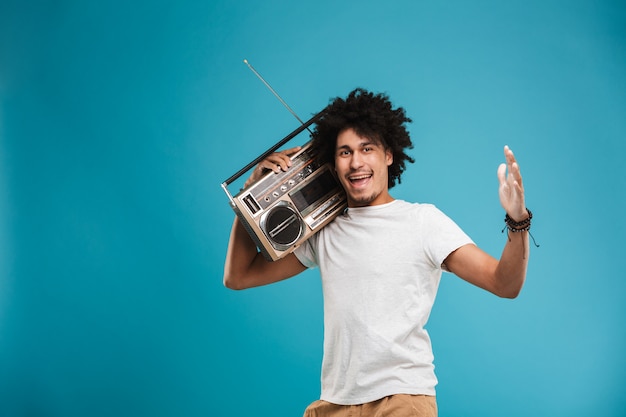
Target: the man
pixel 381 262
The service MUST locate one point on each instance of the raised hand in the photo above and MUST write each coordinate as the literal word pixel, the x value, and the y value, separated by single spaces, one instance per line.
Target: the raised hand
pixel 511 189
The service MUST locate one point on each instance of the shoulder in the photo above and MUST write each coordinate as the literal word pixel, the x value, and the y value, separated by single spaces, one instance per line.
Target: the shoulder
pixel 419 210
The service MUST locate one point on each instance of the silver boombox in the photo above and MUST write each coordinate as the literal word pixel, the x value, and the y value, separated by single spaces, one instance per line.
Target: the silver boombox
pixel 280 211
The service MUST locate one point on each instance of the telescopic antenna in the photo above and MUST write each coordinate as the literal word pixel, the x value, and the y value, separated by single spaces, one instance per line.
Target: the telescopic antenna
pixel 275 93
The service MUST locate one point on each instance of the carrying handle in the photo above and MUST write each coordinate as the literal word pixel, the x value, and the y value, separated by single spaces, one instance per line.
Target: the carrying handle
pixel 265 154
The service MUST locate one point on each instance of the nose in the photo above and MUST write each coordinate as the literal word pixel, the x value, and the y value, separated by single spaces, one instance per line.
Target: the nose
pixel 356 161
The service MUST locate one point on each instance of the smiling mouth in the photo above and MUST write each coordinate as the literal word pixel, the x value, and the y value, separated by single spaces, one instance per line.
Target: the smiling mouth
pixel 359 179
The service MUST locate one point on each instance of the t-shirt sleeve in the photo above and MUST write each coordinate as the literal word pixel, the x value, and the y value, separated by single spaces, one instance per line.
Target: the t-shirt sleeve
pixel 446 235
pixel 306 254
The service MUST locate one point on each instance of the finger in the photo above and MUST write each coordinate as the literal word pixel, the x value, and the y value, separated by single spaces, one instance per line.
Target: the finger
pixel 510 158
pixel 279 161
pixel 276 162
pixel 502 173
pixel 291 151
pixel 508 153
pixel 284 160
pixel 516 173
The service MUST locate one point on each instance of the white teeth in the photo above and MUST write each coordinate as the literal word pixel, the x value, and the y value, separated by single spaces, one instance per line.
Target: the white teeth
pixel 360 177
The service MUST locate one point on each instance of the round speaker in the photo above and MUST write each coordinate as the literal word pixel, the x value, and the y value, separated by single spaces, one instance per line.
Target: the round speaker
pixel 282 225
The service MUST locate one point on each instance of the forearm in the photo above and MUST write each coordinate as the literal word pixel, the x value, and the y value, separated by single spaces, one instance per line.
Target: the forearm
pixel 245 267
pixel 511 270
pixel 240 255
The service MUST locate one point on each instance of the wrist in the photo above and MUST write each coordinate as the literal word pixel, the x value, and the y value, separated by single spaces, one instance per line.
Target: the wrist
pixel 515 225
pixel 520 217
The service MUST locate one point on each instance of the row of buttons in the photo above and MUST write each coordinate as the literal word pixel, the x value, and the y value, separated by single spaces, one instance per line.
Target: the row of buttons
pixel 306 171
pixel 283 188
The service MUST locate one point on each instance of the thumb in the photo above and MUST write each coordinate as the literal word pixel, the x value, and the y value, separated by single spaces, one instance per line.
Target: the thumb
pixel 502 173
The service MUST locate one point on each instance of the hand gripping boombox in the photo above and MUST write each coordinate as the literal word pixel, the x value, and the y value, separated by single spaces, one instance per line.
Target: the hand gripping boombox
pixel 280 211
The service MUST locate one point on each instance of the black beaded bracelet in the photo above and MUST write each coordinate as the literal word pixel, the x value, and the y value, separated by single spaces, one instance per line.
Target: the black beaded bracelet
pixel 522 226
pixel 516 227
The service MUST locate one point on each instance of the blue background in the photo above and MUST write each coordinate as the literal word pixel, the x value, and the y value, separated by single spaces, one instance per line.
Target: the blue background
pixel 119 121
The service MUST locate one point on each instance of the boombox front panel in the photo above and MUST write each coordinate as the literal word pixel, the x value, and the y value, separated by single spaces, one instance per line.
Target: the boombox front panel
pixel 280 211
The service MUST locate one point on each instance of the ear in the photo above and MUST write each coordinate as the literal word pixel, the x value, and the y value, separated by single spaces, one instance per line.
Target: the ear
pixel 389 157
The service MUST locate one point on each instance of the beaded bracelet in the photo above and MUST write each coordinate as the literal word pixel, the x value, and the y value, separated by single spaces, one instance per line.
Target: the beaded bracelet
pixel 516 227
pixel 523 226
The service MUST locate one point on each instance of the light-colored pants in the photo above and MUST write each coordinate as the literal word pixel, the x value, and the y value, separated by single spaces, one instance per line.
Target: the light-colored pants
pixel 399 405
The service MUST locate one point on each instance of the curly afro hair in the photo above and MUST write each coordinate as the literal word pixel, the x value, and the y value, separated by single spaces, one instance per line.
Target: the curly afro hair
pixel 372 116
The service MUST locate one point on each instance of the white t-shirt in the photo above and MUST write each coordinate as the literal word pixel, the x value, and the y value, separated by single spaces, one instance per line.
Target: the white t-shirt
pixel 380 267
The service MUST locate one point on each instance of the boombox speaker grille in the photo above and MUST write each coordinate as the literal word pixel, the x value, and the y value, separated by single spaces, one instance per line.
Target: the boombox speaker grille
pixel 282 226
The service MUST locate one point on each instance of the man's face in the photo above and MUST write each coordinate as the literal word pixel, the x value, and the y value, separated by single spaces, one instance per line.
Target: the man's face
pixel 361 165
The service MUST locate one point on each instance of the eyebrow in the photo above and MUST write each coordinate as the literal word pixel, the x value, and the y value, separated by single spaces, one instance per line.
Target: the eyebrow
pixel 361 145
